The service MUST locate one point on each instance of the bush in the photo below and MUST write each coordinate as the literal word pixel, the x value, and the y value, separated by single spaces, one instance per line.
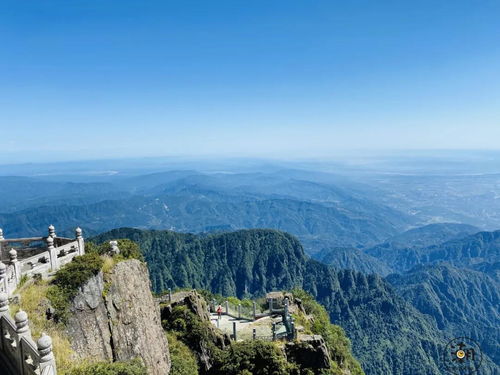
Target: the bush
pixel 182 358
pixel 116 368
pixel 69 278
pixel 252 357
pixel 128 249
pixel 337 342
pixel 190 329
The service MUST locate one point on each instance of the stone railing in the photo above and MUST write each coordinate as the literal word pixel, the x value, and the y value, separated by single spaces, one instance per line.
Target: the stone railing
pixel 47 256
pixel 19 354
pixel 281 330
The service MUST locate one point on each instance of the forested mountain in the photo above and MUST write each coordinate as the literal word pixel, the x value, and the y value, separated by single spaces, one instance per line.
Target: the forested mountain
pixel 202 203
pixel 432 234
pixel 388 335
pixel 350 258
pixel 462 302
pixel 478 251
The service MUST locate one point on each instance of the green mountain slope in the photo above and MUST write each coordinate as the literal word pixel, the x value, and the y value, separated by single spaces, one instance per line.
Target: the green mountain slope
pixel 476 251
pixel 350 258
pixel 462 302
pixel 388 335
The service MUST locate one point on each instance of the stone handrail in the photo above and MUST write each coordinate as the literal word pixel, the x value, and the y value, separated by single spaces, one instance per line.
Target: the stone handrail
pixel 18 351
pixel 45 260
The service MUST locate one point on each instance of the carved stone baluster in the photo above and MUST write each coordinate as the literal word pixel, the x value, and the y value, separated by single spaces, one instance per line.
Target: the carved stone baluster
pixel 1 243
pixel 22 324
pixel 47 361
pixel 114 250
pixel 17 266
pixel 52 231
pixel 3 277
pixel 81 243
pixel 4 311
pixel 4 304
pixel 54 263
pixel 22 331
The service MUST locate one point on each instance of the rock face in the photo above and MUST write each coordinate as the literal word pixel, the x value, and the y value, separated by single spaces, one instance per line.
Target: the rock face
pixel 116 318
pixel 135 319
pixel 212 336
pixel 88 322
pixel 310 352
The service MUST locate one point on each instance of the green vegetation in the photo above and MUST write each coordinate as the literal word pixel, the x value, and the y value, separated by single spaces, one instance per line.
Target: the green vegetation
pixel 461 302
pixel 34 302
pixel 191 330
pixel 387 334
pixel 69 278
pixel 473 251
pixel 253 357
pixel 115 368
pixel 128 249
pixel 318 323
pixel 183 359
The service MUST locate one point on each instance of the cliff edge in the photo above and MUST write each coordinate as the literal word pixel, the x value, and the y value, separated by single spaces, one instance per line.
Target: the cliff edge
pixel 114 317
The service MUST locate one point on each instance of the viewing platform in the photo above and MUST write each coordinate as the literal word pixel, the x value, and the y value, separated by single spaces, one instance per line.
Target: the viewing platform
pixel 35 256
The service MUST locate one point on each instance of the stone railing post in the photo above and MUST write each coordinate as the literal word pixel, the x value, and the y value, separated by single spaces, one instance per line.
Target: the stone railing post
pixel 22 324
pixel 54 262
pixel 17 266
pixel 169 295
pixel 234 332
pixel 4 311
pixel 52 231
pixel 254 306
pixel 3 277
pixel 1 239
pixel 47 360
pixel 22 331
pixel 227 307
pixel 286 307
pixel 4 304
pixel 239 310
pixel 81 242
pixel 113 248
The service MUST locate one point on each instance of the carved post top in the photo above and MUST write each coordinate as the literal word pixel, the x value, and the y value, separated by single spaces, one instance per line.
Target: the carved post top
pixel 4 303
pixel 1 234
pixel 52 231
pixel 13 255
pixel 44 346
pixel 78 233
pixel 21 319
pixel 114 247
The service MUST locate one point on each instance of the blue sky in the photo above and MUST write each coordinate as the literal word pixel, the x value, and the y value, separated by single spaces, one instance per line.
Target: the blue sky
pixel 88 79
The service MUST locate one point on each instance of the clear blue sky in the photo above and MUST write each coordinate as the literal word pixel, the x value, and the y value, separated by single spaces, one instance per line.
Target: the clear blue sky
pixel 100 78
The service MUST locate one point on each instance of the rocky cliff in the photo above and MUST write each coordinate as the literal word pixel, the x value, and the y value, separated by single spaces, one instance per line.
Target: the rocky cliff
pixel 114 317
pixel 207 337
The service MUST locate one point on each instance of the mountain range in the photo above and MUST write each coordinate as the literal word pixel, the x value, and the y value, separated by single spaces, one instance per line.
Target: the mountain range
pixel 388 334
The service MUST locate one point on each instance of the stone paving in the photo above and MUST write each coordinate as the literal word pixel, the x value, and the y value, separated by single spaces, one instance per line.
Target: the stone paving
pixel 244 328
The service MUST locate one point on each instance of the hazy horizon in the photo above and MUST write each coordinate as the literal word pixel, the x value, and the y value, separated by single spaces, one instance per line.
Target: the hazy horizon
pixel 87 80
